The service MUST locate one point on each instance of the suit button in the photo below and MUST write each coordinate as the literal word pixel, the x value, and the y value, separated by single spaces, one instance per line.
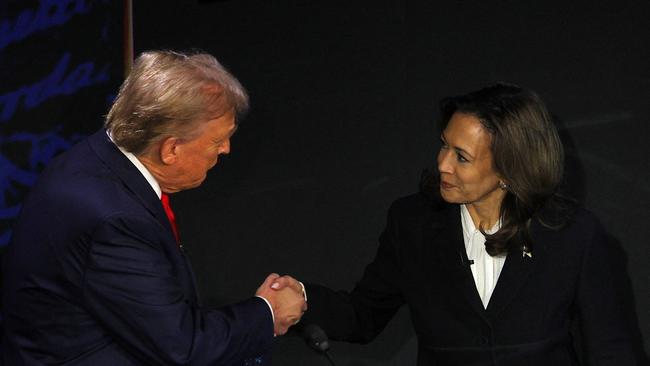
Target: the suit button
pixel 483 341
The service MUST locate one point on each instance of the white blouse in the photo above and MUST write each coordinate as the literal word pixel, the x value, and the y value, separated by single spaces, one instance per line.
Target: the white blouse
pixel 485 269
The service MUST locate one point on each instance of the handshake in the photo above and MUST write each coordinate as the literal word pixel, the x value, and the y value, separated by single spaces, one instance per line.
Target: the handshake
pixel 287 299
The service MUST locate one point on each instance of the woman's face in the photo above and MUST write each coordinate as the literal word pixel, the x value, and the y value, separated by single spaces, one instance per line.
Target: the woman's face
pixel 465 164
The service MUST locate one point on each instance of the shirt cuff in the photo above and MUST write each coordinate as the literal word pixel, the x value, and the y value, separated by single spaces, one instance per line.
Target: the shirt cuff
pixel 269 305
pixel 304 292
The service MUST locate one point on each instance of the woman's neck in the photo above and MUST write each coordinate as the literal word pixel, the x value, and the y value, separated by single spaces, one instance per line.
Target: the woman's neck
pixel 484 215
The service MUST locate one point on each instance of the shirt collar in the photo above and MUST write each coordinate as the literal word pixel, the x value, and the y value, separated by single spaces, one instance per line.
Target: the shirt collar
pixel 468 224
pixel 138 164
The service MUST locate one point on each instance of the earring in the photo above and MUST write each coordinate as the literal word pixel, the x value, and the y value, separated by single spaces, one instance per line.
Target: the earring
pixel 503 185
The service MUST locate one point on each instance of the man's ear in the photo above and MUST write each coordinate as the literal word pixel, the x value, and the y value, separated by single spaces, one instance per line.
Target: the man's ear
pixel 168 150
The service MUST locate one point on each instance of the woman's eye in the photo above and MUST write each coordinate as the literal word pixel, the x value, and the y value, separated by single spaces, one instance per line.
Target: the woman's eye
pixel 461 158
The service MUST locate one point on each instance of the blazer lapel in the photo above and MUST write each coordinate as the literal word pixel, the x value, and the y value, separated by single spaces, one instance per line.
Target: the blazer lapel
pixel 136 183
pixel 516 270
pixel 129 175
pixel 446 229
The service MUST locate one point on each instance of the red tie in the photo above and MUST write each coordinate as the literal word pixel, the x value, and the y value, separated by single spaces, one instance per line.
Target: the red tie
pixel 164 198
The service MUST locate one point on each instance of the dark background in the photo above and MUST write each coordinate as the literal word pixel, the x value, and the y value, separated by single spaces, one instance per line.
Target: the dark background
pixel 344 118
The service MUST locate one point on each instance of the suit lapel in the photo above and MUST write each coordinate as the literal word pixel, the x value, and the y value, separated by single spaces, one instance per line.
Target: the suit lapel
pixel 445 228
pixel 136 183
pixel 129 175
pixel 516 270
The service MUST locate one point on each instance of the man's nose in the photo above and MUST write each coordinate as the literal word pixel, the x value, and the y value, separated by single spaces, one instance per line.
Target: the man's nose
pixel 226 148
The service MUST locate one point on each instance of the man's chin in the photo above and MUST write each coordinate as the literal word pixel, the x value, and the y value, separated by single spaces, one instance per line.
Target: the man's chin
pixel 186 185
pixel 196 183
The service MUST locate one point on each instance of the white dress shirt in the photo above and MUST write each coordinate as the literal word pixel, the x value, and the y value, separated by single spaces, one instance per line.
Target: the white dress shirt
pixel 486 269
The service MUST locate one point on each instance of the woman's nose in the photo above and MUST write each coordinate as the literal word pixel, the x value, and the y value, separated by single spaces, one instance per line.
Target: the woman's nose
pixel 445 164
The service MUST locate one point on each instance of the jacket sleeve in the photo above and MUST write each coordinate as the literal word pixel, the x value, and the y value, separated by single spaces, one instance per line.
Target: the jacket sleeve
pixel 604 329
pixel 360 315
pixel 131 287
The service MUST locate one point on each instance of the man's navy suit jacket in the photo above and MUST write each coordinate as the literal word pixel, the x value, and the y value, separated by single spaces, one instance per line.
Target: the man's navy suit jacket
pixel 93 276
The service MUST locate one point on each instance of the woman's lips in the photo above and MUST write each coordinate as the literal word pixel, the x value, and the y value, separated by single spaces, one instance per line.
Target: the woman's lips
pixel 446 185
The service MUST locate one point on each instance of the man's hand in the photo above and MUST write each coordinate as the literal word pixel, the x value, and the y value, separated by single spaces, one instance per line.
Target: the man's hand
pixel 281 282
pixel 286 298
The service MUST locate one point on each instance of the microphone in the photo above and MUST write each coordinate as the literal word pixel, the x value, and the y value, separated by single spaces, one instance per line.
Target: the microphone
pixel 317 339
pixel 463 261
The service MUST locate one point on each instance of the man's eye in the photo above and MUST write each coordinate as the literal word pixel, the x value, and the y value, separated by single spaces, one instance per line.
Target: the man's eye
pixel 461 158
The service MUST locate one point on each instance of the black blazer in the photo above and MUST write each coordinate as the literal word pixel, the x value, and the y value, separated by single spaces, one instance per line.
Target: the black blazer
pixel 422 262
pixel 93 276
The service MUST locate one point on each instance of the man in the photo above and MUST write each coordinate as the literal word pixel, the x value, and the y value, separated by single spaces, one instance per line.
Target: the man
pixel 95 273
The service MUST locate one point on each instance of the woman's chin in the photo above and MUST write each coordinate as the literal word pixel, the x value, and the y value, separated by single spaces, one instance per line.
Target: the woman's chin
pixel 448 196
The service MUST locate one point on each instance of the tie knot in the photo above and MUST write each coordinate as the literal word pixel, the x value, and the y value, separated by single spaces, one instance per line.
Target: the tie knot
pixel 164 197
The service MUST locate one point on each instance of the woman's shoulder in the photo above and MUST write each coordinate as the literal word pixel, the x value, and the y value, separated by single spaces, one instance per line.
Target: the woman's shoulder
pixel 569 218
pixel 586 223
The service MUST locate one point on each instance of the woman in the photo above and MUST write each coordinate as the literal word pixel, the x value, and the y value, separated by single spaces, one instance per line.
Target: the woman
pixel 493 265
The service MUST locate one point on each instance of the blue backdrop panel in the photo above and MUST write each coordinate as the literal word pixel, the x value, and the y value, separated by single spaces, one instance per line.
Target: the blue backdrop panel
pixel 60 66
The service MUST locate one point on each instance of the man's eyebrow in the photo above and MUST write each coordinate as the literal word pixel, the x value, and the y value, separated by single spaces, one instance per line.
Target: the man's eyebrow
pixel 232 132
pixel 229 135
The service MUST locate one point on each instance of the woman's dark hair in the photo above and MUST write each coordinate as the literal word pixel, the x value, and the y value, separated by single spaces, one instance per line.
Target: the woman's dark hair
pixel 527 154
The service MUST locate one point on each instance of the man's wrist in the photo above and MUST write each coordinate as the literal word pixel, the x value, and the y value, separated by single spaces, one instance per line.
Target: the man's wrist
pixel 269 305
